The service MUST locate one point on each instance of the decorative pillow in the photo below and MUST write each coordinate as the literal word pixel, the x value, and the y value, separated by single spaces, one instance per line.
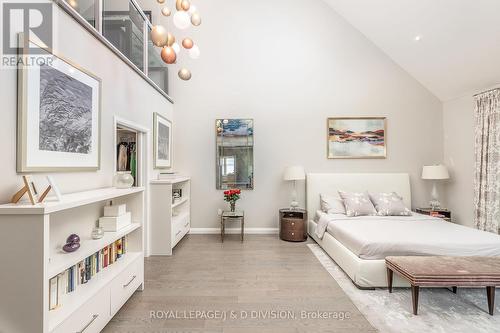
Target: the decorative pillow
pixel 357 204
pixel 331 204
pixel 389 204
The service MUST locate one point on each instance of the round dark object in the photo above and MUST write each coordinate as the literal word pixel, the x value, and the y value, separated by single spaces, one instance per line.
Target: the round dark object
pixel 73 238
pixel 71 247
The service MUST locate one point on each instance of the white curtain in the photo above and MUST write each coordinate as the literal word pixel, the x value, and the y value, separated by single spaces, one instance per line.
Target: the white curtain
pixel 487 161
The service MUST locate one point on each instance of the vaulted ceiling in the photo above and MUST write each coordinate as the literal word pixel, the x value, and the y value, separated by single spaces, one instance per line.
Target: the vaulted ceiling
pixel 452 47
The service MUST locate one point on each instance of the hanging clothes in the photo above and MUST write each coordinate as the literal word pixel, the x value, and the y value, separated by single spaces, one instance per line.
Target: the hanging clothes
pixel 123 156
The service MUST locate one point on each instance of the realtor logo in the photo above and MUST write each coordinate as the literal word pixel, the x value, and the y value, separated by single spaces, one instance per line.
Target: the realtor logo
pixel 34 19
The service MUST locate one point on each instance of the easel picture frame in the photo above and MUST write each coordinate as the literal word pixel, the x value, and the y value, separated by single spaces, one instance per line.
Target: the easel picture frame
pixel 29 188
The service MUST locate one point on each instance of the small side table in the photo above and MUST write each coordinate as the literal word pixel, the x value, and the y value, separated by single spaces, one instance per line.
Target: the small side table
pixel 293 225
pixel 237 215
pixel 442 213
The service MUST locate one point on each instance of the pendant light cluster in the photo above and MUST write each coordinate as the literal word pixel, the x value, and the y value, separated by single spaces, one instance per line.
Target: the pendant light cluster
pixel 185 16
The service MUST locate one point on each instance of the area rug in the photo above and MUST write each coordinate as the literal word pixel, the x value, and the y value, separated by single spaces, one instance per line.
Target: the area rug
pixel 439 309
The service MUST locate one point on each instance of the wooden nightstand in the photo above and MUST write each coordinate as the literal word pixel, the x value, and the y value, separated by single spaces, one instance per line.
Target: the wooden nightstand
pixel 293 225
pixel 443 213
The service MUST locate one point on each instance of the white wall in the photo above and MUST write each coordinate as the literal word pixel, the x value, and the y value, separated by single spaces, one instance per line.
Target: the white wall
pixel 124 93
pixel 289 65
pixel 458 124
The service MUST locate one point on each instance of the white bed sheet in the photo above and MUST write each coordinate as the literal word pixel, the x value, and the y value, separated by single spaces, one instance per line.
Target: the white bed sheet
pixel 375 237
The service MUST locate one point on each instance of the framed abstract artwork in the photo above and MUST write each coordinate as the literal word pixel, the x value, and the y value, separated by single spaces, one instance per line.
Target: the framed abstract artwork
pixel 162 142
pixel 363 137
pixel 58 114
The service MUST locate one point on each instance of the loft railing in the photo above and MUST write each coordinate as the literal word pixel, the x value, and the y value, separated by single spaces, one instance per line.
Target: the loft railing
pixel 124 28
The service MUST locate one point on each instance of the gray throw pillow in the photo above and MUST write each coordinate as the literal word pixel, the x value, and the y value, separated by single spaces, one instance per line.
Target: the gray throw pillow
pixel 357 203
pixel 389 204
pixel 331 204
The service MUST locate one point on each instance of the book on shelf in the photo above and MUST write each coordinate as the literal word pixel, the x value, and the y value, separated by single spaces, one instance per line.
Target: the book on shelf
pixel 53 302
pixel 68 281
pixel 168 175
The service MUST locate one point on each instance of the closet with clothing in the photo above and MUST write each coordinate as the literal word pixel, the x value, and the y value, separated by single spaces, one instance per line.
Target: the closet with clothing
pixel 126 152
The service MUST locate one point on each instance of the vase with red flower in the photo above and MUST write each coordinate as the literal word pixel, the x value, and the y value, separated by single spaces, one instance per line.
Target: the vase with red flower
pixel 232 196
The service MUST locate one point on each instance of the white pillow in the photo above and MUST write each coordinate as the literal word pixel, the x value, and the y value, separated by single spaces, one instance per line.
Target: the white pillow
pixel 389 204
pixel 357 204
pixel 331 204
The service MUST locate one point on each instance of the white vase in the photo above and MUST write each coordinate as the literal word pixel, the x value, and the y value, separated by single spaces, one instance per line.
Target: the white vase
pixel 123 179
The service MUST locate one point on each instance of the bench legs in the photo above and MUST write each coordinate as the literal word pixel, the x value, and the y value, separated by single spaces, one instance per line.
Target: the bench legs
pixel 414 298
pixel 490 293
pixel 389 279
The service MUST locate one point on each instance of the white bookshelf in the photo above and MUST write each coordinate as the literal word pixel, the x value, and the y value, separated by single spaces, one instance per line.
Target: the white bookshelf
pixel 31 254
pixel 170 221
pixel 63 261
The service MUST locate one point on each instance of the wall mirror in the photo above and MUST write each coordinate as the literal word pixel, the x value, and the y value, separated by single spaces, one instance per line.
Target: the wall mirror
pixel 234 153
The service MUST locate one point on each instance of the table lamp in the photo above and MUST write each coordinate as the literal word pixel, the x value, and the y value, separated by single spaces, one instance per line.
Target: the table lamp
pixel 435 172
pixel 294 173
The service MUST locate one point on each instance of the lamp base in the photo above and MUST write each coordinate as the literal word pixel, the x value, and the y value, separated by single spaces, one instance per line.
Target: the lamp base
pixel 294 204
pixel 435 204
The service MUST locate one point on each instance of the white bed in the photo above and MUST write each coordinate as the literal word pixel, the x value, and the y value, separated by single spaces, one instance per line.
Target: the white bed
pixel 360 244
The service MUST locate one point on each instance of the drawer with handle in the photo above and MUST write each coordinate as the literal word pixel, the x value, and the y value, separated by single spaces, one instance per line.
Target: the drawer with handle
pixel 180 228
pixel 294 236
pixel 126 283
pixel 292 224
pixel 90 317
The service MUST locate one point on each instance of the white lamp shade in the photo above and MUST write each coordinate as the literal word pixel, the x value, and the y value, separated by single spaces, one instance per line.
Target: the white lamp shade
pixel 435 172
pixel 294 173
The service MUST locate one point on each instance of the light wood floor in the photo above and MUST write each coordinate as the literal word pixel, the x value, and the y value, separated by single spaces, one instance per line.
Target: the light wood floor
pixel 261 274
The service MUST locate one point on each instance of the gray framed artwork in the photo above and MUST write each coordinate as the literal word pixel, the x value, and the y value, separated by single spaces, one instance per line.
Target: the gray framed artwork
pixel 58 114
pixel 162 137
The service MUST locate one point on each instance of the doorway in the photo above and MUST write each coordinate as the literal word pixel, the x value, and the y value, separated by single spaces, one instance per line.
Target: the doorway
pixel 130 150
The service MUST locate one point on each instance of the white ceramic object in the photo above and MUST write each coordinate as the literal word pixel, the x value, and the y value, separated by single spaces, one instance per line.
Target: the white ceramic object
pixel 123 179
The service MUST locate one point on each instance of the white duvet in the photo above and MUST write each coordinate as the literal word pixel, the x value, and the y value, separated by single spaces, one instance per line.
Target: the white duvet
pixel 375 237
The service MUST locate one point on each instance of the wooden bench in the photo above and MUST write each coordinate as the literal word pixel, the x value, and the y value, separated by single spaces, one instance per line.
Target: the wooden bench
pixel 452 272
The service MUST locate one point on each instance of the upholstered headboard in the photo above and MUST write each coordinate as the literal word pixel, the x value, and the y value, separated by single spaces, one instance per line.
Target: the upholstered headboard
pixel 330 183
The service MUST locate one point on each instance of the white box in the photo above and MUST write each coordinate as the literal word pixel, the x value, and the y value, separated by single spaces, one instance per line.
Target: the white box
pixel 115 223
pixel 115 210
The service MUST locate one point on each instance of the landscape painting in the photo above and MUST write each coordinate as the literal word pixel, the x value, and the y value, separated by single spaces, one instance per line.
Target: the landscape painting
pixel 356 137
pixel 162 142
pixel 234 127
pixel 65 113
pixel 59 116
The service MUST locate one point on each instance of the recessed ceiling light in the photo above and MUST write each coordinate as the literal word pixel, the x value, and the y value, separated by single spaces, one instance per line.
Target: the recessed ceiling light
pixel 418 38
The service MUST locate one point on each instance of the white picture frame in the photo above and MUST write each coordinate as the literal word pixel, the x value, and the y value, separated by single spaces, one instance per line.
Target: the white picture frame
pixel 58 114
pixel 162 139
pixel 356 137
pixel 54 188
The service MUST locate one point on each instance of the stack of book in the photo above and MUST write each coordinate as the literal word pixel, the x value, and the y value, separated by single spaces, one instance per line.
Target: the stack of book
pixel 437 214
pixel 167 175
pixel 81 273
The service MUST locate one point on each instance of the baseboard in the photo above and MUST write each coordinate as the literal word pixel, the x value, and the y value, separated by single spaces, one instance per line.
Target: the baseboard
pixel 248 231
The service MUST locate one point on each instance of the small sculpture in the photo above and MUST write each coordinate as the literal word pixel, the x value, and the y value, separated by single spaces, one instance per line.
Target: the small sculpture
pixel 72 243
